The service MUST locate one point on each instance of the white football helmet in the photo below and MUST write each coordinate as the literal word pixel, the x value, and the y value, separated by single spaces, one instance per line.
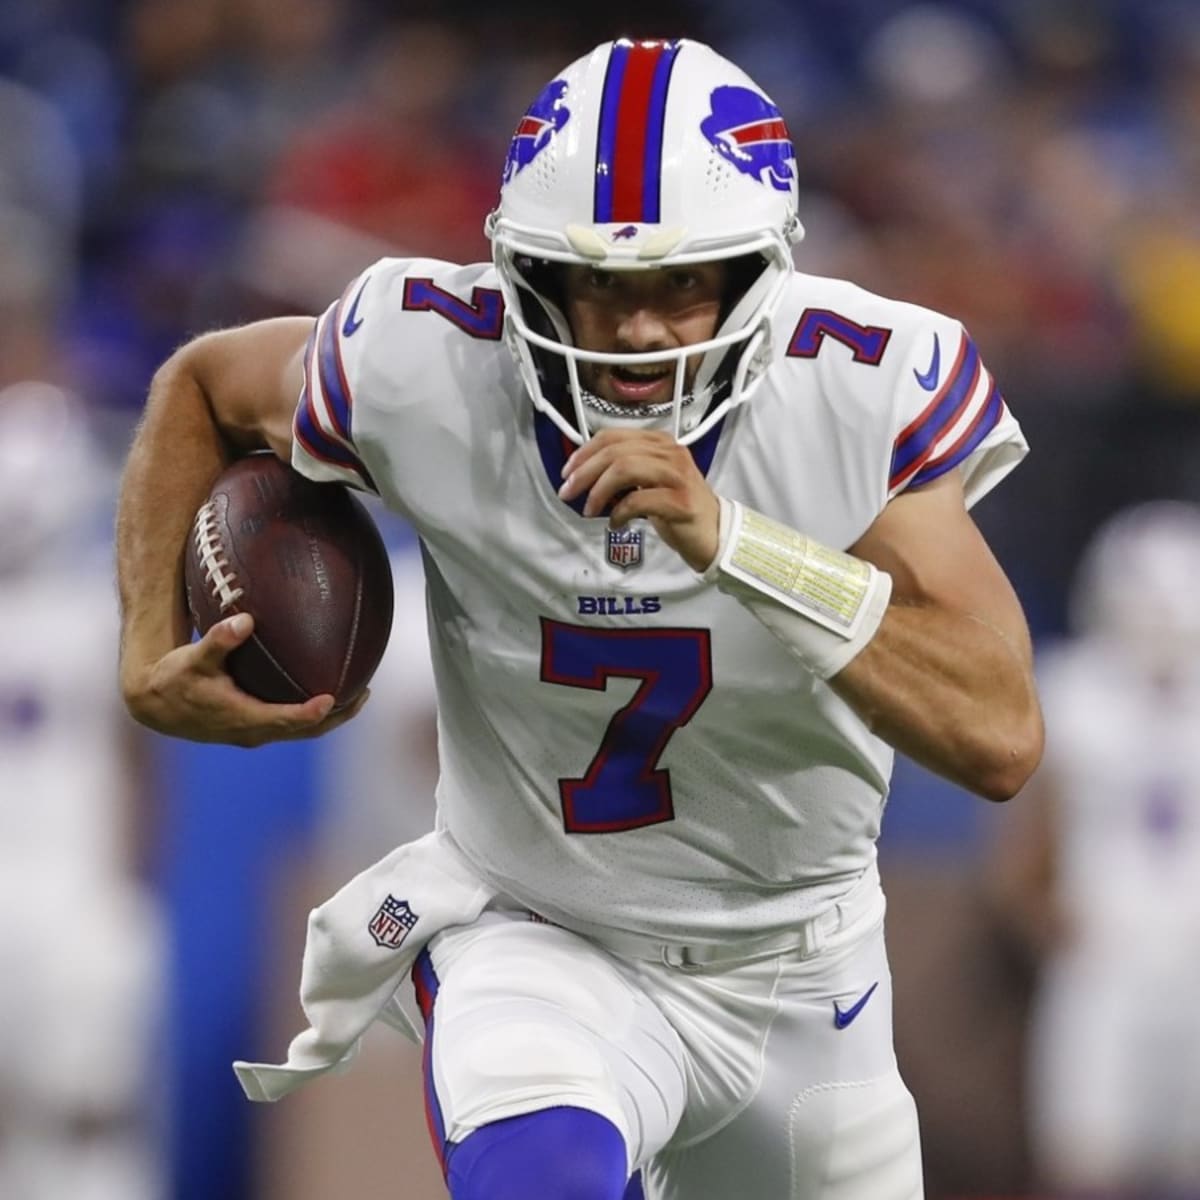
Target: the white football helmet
pixel 1139 580
pixel 646 155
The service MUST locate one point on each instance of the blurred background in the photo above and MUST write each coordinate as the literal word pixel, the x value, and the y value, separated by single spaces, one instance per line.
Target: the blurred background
pixel 1029 166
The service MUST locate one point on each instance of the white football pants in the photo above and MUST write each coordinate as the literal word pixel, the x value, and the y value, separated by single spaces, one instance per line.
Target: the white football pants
pixel 739 1082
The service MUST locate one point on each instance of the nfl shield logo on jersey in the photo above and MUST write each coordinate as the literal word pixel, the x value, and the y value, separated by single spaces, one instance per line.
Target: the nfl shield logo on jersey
pixel 624 547
pixel 391 923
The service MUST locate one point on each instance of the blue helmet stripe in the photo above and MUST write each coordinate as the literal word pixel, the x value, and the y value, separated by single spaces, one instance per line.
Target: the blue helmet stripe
pixel 606 146
pixel 655 120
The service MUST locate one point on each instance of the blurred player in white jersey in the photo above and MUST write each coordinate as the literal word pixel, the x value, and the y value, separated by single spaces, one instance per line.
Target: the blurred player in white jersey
pixel 1101 868
pixel 81 952
pixel 698 556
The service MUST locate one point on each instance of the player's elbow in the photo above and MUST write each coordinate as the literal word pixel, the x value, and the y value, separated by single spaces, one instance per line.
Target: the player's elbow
pixel 1011 757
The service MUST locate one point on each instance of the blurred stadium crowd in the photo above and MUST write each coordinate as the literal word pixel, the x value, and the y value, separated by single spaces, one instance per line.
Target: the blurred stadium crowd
pixel 1031 166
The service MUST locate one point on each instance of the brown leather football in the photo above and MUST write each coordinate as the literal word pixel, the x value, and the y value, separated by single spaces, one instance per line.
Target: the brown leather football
pixel 307 562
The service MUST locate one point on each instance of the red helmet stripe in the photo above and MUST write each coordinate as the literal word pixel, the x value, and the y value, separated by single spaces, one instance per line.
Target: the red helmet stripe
pixel 632 120
pixel 632 112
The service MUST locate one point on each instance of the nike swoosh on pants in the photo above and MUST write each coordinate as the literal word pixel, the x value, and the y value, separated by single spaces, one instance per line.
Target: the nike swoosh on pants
pixel 843 1018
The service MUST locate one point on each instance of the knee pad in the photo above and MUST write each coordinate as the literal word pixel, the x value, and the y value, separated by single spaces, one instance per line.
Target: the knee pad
pixel 489 1072
pixel 856 1139
pixel 554 1154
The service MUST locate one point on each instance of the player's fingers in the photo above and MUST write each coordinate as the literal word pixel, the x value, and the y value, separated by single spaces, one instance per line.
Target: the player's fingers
pixel 284 719
pixel 607 439
pixel 690 529
pixel 625 475
pixel 647 502
pixel 271 721
pixel 331 719
pixel 312 712
pixel 593 458
pixel 342 715
pixel 585 473
pixel 316 714
pixel 210 652
pixel 253 722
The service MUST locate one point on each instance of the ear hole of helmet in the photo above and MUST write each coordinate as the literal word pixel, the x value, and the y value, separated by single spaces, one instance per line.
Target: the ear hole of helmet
pixel 540 296
pixel 741 274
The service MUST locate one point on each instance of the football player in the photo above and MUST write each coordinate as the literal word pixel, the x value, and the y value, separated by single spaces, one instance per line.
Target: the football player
pixel 1099 873
pixel 698 557
pixel 82 942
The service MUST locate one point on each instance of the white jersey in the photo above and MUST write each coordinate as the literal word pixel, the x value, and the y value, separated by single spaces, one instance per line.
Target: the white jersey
pixel 1124 758
pixel 1114 1051
pixel 82 947
pixel 621 744
pixel 65 784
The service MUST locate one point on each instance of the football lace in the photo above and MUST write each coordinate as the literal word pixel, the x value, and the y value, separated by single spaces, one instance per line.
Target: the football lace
pixel 217 571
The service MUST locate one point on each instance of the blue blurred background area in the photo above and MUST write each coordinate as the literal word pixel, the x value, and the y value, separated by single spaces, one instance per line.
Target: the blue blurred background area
pixel 1029 166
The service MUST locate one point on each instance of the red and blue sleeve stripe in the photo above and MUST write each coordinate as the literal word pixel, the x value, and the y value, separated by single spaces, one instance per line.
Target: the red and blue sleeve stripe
pixel 425 981
pixel 333 373
pixel 633 108
pixel 916 442
pixel 965 445
pixel 322 422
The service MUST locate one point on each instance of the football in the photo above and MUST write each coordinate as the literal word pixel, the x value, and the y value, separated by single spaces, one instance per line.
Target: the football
pixel 306 561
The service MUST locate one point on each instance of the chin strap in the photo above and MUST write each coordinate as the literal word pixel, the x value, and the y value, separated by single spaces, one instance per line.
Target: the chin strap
pixel 823 604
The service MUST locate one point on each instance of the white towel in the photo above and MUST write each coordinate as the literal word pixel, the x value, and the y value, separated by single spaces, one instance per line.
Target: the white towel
pixel 360 948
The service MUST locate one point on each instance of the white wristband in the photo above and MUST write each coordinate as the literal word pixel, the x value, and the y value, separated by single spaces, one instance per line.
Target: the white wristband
pixel 823 604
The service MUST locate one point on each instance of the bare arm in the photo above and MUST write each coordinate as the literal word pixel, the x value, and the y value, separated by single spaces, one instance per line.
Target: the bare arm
pixel 948 678
pixel 217 397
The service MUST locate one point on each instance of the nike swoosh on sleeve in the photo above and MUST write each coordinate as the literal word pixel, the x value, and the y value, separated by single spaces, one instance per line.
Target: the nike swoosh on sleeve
pixel 353 320
pixel 929 379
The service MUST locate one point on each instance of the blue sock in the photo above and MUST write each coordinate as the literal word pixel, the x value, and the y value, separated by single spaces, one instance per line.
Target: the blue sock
pixel 554 1154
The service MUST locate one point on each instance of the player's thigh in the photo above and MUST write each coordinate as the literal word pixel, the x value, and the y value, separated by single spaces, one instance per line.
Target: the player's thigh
pixel 528 1016
pixel 831 1118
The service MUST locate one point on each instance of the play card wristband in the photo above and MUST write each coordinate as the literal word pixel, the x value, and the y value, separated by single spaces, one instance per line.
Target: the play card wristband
pixel 823 604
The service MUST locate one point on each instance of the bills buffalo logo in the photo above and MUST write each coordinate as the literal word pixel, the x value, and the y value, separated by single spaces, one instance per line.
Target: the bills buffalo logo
pixel 628 231
pixel 546 116
pixel 392 923
pixel 747 130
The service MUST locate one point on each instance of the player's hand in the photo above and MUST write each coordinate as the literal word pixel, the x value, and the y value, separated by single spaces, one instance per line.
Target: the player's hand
pixel 643 473
pixel 189 694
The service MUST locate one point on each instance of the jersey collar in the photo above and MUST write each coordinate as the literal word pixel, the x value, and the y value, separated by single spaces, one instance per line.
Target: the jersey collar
pixel 555 448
